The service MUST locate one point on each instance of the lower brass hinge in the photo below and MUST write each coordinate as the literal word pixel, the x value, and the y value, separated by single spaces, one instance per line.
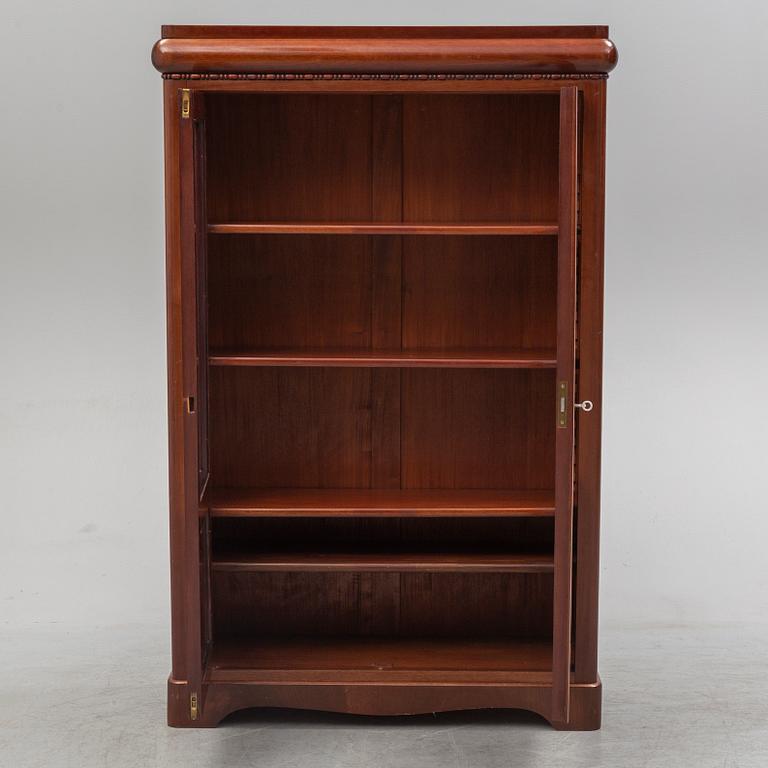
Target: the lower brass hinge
pixel 193 706
pixel 185 102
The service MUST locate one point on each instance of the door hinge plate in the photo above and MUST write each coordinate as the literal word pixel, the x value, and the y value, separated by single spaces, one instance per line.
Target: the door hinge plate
pixel 185 103
pixel 193 706
pixel 562 404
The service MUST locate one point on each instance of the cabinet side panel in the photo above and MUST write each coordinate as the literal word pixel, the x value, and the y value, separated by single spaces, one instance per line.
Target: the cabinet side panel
pixel 589 382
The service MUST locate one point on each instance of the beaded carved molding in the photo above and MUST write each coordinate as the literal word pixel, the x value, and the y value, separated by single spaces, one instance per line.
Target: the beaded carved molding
pixel 394 76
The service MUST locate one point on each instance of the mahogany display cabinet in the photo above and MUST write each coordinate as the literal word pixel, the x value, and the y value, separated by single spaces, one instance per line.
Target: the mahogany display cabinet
pixel 384 277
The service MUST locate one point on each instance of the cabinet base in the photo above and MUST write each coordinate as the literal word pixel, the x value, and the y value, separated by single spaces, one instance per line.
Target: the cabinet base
pixel 217 700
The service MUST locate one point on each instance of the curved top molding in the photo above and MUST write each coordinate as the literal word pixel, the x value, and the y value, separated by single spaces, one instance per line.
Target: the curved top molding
pixel 490 50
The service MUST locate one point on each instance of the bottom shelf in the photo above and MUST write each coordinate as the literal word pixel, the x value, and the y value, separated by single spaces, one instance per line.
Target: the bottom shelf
pixel 380 660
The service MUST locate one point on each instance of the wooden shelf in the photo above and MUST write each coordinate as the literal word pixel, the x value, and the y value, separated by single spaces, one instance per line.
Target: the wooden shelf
pixel 382 228
pixel 308 502
pixel 491 358
pixel 359 659
pixel 383 562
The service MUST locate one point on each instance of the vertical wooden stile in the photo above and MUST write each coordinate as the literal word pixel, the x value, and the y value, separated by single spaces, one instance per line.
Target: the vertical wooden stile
pixel 201 318
pixel 194 398
pixel 564 442
pixel 201 293
pixel 590 324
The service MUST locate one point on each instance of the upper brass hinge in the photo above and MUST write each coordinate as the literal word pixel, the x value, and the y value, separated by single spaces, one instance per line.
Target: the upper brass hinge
pixel 185 102
pixel 193 706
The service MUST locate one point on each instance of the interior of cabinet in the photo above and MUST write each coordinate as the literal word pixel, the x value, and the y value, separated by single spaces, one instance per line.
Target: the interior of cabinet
pixel 356 158
pixel 429 294
pixel 381 330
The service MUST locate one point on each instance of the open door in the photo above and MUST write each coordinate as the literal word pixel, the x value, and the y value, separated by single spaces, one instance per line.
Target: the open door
pixel 566 366
pixel 194 352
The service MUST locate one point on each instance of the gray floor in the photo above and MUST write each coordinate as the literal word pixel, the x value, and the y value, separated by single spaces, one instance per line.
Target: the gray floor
pixel 673 697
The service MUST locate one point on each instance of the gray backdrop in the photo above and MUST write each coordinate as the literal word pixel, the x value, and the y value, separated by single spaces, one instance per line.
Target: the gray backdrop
pixel 82 392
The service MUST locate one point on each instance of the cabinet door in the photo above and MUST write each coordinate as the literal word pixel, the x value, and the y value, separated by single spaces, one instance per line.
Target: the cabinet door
pixel 188 383
pixel 194 238
pixel 564 441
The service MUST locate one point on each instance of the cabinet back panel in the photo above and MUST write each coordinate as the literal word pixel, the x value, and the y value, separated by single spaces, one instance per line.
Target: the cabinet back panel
pixel 449 157
pixel 278 427
pixel 283 291
pixel 408 605
pixel 480 158
pixel 283 158
pixel 341 291
pixel 347 427
pixel 479 292
pixel 478 429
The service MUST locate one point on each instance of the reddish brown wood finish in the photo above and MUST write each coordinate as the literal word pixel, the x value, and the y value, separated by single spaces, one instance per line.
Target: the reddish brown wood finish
pixel 590 383
pixel 187 645
pixel 389 51
pixel 411 605
pixel 228 31
pixel 397 699
pixel 436 296
pixel 504 143
pixel 384 320
pixel 352 661
pixel 250 502
pixel 566 377
pixel 383 562
pixel 426 358
pixel 400 699
pixel 382 229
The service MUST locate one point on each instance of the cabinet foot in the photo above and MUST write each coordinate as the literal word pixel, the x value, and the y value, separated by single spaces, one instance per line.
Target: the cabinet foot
pixel 585 710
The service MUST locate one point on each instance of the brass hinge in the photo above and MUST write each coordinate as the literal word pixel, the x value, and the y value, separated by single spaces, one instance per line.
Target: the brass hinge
pixel 562 404
pixel 185 102
pixel 193 706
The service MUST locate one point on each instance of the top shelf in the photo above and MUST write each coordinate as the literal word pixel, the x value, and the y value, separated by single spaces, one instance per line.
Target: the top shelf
pixel 382 228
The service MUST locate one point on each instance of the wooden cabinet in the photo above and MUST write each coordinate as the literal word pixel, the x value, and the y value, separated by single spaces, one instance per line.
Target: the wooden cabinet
pixel 384 259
